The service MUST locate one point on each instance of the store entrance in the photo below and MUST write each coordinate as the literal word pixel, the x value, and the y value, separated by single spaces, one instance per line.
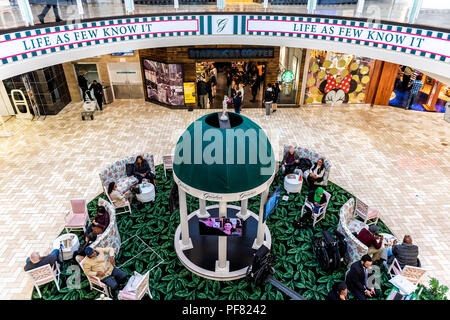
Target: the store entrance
pixel 248 76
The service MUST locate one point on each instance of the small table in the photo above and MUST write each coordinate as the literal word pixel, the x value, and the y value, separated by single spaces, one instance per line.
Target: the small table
pixel 293 183
pixel 147 193
pixel 70 245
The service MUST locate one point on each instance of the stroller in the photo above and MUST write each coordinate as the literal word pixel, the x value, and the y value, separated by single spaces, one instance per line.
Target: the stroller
pixel 330 251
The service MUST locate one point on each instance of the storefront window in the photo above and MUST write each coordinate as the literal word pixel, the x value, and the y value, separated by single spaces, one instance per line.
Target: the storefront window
pixel 432 95
pixel 337 78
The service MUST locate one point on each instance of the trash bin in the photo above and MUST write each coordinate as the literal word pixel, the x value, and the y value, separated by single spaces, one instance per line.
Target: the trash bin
pixel 107 95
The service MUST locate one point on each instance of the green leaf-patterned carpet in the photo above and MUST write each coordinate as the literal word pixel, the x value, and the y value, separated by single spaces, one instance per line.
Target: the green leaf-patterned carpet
pixel 296 266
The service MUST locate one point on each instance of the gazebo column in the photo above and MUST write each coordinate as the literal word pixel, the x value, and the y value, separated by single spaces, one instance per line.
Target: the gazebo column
pixel 185 242
pixel 259 241
pixel 222 265
pixel 203 213
pixel 243 214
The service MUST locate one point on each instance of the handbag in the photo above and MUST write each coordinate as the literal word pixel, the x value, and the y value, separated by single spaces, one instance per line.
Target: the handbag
pixel 97 230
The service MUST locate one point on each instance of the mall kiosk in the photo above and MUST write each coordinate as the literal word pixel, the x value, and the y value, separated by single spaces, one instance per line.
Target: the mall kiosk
pixel 222 165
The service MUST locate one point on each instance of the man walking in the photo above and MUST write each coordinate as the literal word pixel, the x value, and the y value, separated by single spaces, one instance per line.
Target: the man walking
pixel 202 91
pixel 414 90
pixel 50 3
pixel 98 92
pixel 83 84
pixel 268 99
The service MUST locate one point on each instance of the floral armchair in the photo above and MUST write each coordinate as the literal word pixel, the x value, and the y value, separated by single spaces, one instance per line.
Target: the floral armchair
pixel 110 237
pixel 314 157
pixel 116 172
pixel 347 225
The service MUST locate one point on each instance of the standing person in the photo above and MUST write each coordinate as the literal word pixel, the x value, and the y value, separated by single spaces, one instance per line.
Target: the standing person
pixel 202 91
pixel 357 277
pixel 83 83
pixel 210 87
pixel 232 89
pixel 237 100
pixel 407 72
pixel 213 78
pixel 268 99
pixel 276 96
pixel 50 3
pixel 255 88
pixel 98 92
pixel 414 90
pixel 241 90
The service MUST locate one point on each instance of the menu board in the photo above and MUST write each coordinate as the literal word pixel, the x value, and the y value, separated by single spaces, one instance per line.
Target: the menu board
pixel 189 92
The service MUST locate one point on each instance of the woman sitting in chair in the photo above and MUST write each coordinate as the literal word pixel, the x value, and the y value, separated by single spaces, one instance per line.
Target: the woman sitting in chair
pixel 100 222
pixel 316 174
pixel 142 170
pixel 120 200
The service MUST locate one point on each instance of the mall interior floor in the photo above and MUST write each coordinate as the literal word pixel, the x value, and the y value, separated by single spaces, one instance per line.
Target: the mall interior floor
pixel 395 160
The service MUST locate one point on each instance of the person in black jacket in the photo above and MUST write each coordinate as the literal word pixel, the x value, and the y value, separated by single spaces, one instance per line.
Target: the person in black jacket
pixel 237 101
pixel 142 170
pixel 98 92
pixel 338 292
pixel 202 92
pixel 36 261
pixel 357 279
pixel 83 83
pixel 406 253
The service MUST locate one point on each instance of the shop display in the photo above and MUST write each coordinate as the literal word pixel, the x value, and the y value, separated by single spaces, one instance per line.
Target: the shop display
pixel 336 78
pixel 432 96
pixel 164 82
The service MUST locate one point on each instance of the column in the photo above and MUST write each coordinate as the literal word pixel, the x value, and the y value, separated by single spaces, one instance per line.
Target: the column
pixel 222 265
pixel 185 242
pixel 80 8
pixel 311 6
pixel 259 241
pixel 243 214
pixel 203 213
pixel 25 11
pixel 359 8
pixel 417 5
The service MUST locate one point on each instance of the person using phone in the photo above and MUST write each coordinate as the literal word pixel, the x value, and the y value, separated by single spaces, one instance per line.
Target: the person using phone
pixel 357 279
pixel 99 265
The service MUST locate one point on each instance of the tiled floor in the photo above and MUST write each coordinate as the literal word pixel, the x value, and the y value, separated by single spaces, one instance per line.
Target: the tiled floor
pixel 394 160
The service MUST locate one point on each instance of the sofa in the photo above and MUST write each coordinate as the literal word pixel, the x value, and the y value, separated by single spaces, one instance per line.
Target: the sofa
pixel 116 172
pixel 314 157
pixel 347 226
pixel 110 237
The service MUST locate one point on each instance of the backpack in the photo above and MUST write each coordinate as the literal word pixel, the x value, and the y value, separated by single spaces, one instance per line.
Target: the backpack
pixel 305 164
pixel 268 95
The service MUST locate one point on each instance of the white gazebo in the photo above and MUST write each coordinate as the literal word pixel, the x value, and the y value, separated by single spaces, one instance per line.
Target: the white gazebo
pixel 222 162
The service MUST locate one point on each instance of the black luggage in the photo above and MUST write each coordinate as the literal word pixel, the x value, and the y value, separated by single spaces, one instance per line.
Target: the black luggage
pixel 328 251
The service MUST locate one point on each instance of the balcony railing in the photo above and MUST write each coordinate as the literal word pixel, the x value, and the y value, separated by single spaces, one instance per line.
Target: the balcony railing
pixel 21 13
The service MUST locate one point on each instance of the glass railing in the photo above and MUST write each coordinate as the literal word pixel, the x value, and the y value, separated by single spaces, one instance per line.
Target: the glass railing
pixel 20 13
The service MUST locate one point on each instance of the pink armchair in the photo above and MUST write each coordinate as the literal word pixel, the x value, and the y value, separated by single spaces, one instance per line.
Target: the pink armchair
pixel 79 216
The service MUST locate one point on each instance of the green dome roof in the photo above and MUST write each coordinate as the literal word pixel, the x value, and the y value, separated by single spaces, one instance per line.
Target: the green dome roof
pixel 217 160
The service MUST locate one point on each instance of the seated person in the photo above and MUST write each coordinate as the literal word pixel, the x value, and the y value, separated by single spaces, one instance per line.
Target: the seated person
pixel 290 161
pixel 142 170
pixel 318 200
pixel 357 279
pixel 36 261
pixel 372 241
pixel 338 292
pixel 88 240
pixel 316 174
pixel 118 198
pixel 96 264
pixel 100 222
pixel 406 253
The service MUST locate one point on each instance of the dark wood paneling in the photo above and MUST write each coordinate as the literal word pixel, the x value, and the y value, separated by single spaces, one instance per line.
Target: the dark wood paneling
pixel 386 83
